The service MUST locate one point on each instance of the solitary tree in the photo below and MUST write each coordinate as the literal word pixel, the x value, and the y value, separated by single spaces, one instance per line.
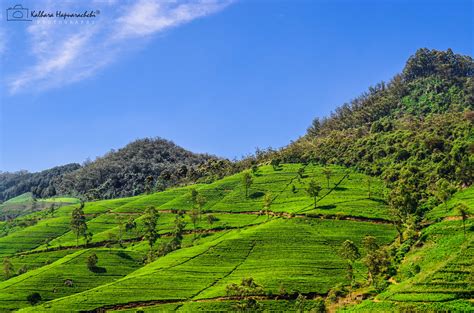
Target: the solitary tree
pixel 200 202
pixel 193 194
pixel 78 222
pixel 247 182
pixel 267 201
pixel 313 190
pixel 211 219
pixel 194 216
pixel 328 174
pixel 121 227
pixel 92 261
pixel 444 190
pixel 52 209
pixel 178 231
pixel 350 253
pixel 464 213
pixel 7 268
pixel 376 258
pixel 150 221
pixel 34 298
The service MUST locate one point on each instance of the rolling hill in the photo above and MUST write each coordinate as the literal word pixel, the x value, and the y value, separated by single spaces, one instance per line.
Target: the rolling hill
pixel 370 211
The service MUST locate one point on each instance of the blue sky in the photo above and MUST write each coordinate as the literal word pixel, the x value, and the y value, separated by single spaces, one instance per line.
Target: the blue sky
pixel 222 77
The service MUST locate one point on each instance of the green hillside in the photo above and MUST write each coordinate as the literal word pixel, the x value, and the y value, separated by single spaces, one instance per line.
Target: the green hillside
pixel 439 271
pixel 27 203
pixel 281 247
pixel 371 211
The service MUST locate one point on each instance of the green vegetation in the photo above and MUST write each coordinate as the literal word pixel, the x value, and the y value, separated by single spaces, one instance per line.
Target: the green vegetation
pixel 370 211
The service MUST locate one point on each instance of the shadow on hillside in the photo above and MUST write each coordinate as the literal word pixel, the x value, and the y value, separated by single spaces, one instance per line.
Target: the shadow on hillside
pixel 98 269
pixel 379 200
pixel 327 207
pixel 340 188
pixel 256 195
pixel 123 255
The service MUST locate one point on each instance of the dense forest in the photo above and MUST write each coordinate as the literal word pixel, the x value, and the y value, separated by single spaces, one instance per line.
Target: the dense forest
pixel 415 131
pixel 145 165
pixel 42 184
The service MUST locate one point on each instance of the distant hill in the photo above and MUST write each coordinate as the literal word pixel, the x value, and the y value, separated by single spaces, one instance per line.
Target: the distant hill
pixel 41 184
pixel 143 165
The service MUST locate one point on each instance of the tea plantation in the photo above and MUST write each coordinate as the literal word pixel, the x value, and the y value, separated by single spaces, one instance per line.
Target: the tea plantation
pixel 266 239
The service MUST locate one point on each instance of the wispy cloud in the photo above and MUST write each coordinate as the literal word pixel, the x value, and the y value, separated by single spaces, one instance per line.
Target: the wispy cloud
pixel 65 54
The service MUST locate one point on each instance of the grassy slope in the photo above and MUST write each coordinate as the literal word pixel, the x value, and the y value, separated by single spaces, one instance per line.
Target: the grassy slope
pixel 300 250
pixel 281 252
pixel 25 203
pixel 445 256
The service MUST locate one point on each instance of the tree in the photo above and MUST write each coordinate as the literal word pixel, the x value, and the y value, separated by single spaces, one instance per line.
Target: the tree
pixel 444 190
pixel 52 209
pixel 313 190
pixel 194 216
pixel 403 200
pixel 376 258
pixel 193 194
pixel 130 225
pixel 7 268
pixel 121 227
pixel 92 261
pixel 464 213
pixel 78 223
pixel 211 219
pixel 300 303
pixel 178 231
pixel 315 128
pixel 149 185
pixel 267 201
pixel 328 174
pixel 247 182
pixel 275 163
pixel 350 253
pixel 200 202
pixel 150 221
pixel 34 298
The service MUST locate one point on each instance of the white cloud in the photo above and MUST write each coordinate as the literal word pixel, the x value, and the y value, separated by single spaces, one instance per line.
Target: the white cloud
pixel 147 17
pixel 68 53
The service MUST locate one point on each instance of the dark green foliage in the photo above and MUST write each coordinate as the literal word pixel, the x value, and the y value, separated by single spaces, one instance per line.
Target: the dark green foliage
pixel 313 190
pixel 41 184
pixel 34 298
pixel 150 220
pixel 78 223
pixel 412 131
pixel 133 169
pixel 7 268
pixel 247 182
pixel 247 287
pixel 92 261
